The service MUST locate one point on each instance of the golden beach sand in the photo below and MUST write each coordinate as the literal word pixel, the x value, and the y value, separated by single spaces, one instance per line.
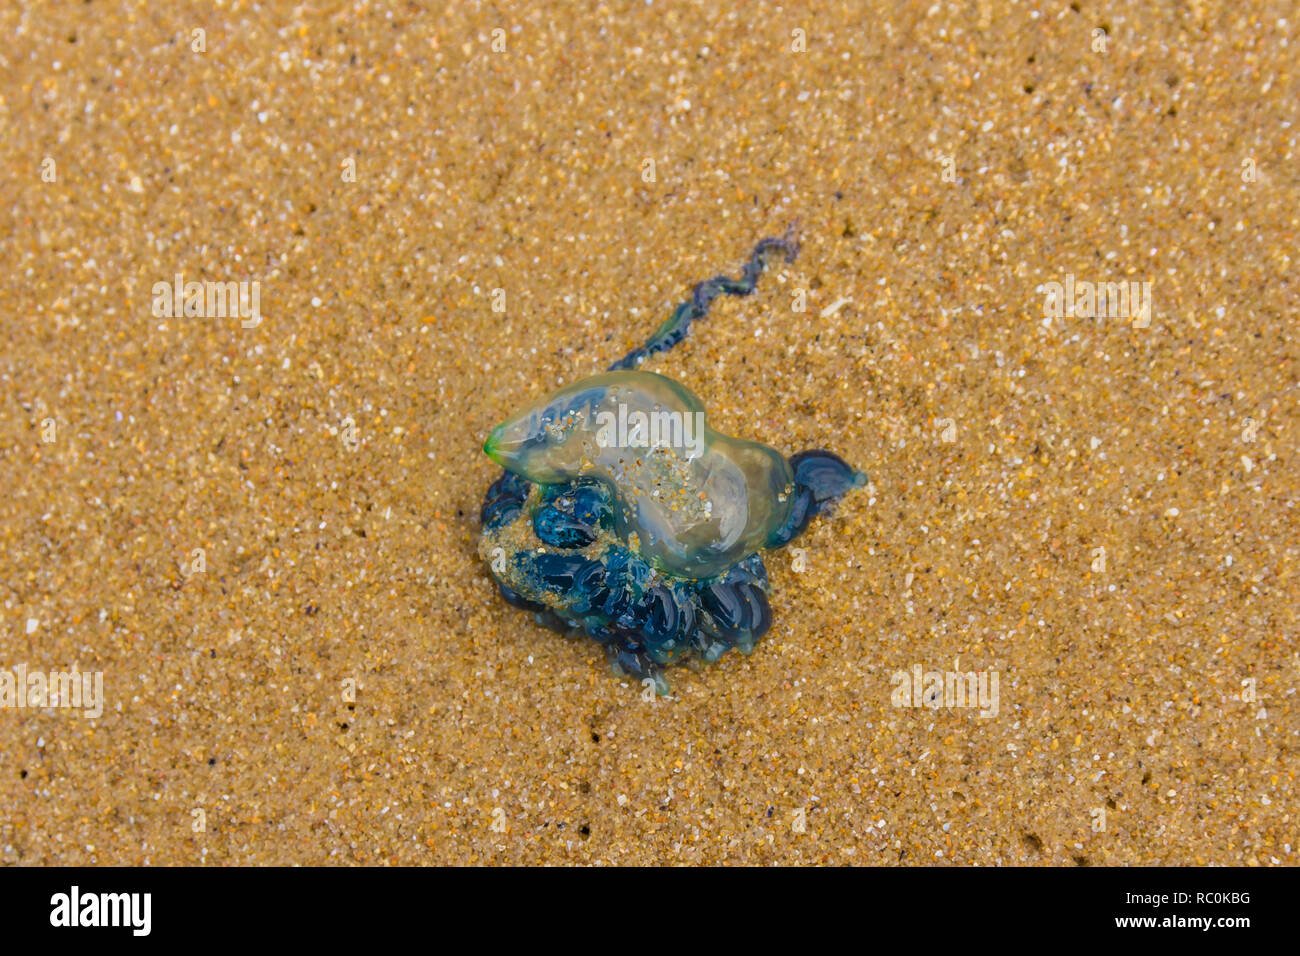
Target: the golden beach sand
pixel 380 171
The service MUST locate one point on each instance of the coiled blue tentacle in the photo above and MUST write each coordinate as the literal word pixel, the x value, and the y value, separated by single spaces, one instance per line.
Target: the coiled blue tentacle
pixel 820 479
pixel 697 306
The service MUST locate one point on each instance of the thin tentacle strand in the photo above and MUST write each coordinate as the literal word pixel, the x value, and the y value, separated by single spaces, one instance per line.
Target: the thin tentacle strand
pixel 697 306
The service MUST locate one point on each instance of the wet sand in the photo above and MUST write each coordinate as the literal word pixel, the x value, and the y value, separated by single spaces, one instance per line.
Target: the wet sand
pixel 380 173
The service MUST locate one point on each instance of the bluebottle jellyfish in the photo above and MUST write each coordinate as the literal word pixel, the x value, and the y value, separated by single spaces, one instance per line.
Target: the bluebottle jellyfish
pixel 622 515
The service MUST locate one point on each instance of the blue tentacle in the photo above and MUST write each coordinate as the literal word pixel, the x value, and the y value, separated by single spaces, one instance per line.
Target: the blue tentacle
pixel 697 306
